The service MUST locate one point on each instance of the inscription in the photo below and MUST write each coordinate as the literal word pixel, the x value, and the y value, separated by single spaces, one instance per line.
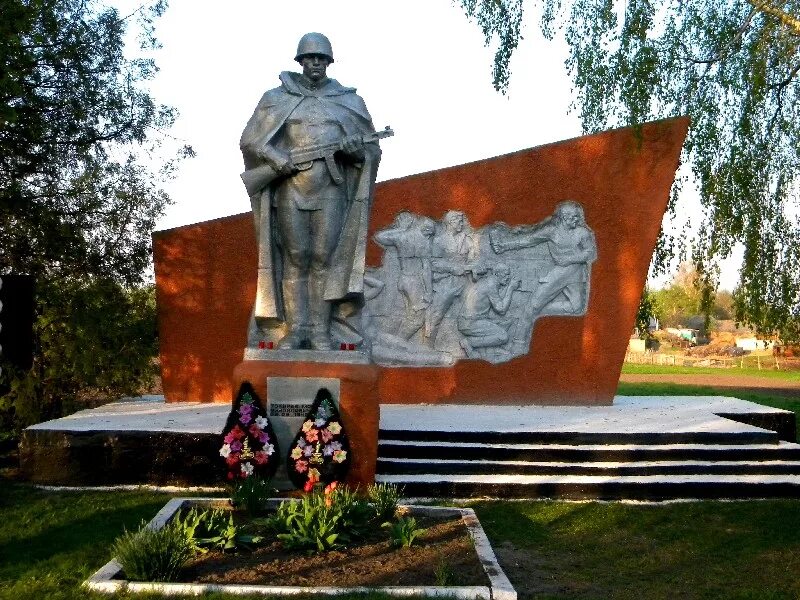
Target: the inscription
pixel 278 409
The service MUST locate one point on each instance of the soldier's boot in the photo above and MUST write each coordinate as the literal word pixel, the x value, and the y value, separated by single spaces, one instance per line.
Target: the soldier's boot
pixel 320 315
pixel 295 306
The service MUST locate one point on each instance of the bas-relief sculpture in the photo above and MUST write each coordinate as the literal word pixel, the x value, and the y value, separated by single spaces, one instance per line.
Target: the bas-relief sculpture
pixel 311 156
pixel 445 292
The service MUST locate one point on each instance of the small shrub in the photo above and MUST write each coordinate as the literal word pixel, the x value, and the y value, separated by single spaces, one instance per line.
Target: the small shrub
pixel 384 498
pixel 153 555
pixel 252 494
pixel 404 532
pixel 443 574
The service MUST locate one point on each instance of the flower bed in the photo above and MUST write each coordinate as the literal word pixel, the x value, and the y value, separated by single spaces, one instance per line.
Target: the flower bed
pixel 219 571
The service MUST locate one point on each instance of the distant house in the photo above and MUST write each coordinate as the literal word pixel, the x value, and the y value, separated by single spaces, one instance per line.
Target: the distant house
pixel 753 343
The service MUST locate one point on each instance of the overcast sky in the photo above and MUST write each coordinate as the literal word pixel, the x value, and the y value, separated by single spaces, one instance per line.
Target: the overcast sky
pixel 420 65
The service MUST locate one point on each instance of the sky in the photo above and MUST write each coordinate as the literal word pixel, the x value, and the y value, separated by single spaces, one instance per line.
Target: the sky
pixel 421 66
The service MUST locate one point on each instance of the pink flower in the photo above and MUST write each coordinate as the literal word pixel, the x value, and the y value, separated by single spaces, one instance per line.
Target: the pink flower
pixel 327 436
pixel 312 435
pixel 260 457
pixel 301 466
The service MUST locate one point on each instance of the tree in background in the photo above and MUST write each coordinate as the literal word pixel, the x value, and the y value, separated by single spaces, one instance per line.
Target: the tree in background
pixel 732 66
pixel 78 197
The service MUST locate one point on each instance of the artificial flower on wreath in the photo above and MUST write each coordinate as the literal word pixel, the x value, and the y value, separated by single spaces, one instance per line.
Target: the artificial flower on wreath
pixel 320 452
pixel 249 446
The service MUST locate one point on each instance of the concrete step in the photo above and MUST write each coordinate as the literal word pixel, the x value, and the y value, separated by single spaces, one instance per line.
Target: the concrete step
pixel 752 435
pixel 405 466
pixel 582 487
pixel 784 451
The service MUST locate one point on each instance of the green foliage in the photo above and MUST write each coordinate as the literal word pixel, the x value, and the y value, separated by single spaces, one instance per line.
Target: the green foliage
pixel 308 525
pixel 404 531
pixel 252 494
pixel 153 554
pixel 322 520
pixel 96 339
pixel 77 201
pixel 215 529
pixel 647 311
pixel 384 498
pixel 732 67
pixel 444 574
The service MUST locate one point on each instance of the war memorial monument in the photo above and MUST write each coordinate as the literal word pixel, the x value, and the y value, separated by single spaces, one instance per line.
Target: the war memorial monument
pixel 470 323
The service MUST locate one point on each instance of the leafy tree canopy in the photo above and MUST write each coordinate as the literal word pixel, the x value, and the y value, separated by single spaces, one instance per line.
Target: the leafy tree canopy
pixel 732 66
pixel 79 196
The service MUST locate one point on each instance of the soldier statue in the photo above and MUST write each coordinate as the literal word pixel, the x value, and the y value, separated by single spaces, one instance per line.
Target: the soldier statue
pixel 311 157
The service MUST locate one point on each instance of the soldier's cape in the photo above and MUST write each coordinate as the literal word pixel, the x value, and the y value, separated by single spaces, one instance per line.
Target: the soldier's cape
pixel 346 272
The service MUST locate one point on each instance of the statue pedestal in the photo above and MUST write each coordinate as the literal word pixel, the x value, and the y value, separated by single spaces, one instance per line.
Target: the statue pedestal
pixel 288 389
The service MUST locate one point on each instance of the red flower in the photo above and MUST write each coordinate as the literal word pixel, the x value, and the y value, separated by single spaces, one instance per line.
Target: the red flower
pixel 237 433
pixel 312 435
pixel 230 476
pixel 331 486
pixel 232 459
pixel 308 486
pixel 260 457
pixel 255 430
pixel 301 466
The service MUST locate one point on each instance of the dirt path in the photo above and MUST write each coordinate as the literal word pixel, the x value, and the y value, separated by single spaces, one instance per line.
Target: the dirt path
pixel 764 385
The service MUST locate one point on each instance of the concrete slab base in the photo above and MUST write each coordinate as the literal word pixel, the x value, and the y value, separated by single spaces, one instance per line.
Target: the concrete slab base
pixel 643 447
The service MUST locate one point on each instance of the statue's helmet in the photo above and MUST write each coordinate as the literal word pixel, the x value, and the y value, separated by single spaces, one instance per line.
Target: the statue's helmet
pixel 314 43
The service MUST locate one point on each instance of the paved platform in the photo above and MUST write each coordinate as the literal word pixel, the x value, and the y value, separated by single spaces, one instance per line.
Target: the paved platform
pixel 642 447
pixel 628 414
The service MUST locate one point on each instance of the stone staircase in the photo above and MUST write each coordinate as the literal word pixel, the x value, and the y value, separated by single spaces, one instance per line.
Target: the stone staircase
pixel 637 450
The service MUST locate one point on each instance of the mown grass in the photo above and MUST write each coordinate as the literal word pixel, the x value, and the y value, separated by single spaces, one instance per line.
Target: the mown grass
pixel 621 551
pixel 767 371
pixel 51 541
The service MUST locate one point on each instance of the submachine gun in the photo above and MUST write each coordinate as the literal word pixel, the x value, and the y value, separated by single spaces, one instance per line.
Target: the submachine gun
pixel 257 178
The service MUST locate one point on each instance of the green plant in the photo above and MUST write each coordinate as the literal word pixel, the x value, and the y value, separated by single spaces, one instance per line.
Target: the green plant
pixel 443 574
pixel 404 532
pixel 322 520
pixel 153 554
pixel 309 524
pixel 252 494
pixel 357 514
pixel 384 498
pixel 213 528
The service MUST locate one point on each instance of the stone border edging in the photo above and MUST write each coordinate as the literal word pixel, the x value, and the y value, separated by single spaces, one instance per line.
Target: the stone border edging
pixel 500 587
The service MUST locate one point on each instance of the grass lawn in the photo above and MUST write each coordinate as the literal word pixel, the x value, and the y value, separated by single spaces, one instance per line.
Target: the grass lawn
pixel 784 375
pixel 619 551
pixel 51 541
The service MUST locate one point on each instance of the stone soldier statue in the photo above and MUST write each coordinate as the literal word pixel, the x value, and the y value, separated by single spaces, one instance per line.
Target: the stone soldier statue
pixel 311 157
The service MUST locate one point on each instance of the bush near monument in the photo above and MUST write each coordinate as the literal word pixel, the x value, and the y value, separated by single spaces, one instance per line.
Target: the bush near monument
pixel 78 197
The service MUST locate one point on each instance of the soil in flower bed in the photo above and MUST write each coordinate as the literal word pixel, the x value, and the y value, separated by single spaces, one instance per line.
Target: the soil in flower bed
pixel 372 562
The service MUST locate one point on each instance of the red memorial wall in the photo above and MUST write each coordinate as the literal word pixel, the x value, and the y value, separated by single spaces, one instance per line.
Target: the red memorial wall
pixel 205 273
